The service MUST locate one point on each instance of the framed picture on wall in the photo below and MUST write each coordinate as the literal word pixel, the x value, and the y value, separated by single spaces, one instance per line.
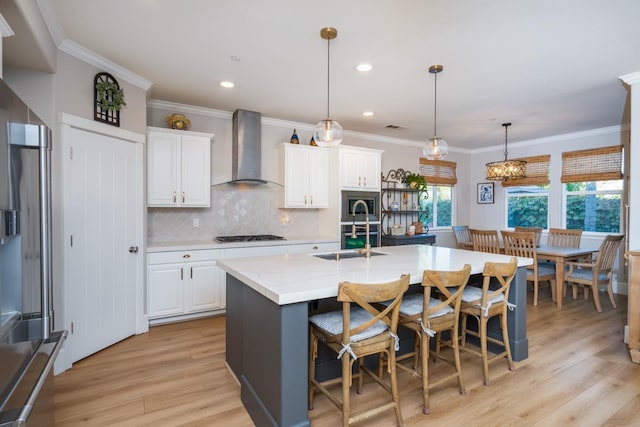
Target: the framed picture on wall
pixel 485 192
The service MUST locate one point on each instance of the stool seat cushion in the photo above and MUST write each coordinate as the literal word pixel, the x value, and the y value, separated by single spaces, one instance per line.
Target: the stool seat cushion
pixel 331 322
pixel 472 293
pixel 412 305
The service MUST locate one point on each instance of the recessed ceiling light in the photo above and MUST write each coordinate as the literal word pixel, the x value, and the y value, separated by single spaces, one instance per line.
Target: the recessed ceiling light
pixel 364 67
pixel 368 113
pixel 227 84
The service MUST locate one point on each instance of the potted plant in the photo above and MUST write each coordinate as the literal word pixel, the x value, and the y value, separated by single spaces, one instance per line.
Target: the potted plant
pixel 415 181
pixel 110 97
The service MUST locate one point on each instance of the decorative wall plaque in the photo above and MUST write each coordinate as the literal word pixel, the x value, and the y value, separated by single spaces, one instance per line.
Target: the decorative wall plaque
pixel 108 99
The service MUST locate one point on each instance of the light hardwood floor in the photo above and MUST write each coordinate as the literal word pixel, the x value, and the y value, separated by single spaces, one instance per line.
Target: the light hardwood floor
pixel 578 374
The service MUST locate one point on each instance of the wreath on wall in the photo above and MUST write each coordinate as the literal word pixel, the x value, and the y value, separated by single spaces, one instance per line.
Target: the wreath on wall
pixel 108 99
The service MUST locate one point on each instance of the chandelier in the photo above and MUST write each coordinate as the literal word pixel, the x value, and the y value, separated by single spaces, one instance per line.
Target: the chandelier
pixel 437 148
pixel 328 132
pixel 506 169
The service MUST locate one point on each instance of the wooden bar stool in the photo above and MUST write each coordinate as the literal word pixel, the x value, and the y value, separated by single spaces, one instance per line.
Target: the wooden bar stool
pixel 483 304
pixel 439 304
pixel 359 330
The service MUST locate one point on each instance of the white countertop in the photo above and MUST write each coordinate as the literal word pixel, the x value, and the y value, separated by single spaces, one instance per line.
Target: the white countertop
pixel 291 278
pixel 212 244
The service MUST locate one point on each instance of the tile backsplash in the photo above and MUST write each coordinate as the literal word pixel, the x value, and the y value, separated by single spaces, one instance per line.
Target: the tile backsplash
pixel 232 212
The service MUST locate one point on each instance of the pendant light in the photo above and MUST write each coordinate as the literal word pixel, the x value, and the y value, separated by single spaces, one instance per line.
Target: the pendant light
pixel 507 169
pixel 328 132
pixel 437 148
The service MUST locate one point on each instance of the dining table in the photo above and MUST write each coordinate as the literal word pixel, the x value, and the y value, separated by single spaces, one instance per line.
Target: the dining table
pixel 560 255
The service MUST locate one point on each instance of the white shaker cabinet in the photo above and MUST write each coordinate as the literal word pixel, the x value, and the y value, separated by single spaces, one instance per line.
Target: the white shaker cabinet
pixel 178 168
pixel 186 282
pixel 305 172
pixel 360 169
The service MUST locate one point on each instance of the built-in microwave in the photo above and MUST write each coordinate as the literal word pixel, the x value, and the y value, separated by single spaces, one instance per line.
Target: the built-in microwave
pixel 349 199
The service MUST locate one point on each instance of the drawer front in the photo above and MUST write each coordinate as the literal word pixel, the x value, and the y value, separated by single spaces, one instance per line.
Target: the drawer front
pixel 255 251
pixel 185 256
pixel 308 248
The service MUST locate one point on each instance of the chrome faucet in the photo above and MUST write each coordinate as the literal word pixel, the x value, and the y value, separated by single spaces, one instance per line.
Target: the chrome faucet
pixel 367 247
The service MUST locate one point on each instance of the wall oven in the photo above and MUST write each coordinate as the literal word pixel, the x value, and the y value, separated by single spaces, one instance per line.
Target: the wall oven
pixel 372 200
pixel 360 239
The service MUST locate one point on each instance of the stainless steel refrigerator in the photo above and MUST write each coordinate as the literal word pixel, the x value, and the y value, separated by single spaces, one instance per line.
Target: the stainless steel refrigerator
pixel 28 346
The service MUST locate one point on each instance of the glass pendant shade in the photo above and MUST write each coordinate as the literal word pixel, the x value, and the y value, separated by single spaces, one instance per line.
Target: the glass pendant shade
pixel 436 149
pixel 327 133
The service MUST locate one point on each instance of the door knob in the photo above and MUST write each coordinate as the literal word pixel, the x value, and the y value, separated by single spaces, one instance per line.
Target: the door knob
pixel 133 249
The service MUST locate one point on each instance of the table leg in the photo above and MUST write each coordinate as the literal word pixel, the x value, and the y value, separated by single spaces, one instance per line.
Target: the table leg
pixel 559 280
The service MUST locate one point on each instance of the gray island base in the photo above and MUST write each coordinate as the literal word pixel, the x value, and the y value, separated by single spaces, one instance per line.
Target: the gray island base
pixel 268 304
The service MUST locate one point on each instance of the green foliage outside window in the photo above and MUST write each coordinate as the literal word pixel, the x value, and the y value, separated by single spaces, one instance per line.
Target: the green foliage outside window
pixel 528 212
pixel 594 206
pixel 439 212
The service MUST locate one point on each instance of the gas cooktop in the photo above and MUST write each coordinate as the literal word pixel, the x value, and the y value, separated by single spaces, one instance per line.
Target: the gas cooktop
pixel 249 238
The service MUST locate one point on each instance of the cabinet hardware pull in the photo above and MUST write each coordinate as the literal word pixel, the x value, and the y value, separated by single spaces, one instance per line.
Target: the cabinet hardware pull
pixel 186 256
pixel 365 181
pixel 315 248
pixel 190 272
pixel 305 199
pixel 181 273
pixel 174 197
pixel 133 249
pixel 183 197
pixel 359 181
pixel 311 199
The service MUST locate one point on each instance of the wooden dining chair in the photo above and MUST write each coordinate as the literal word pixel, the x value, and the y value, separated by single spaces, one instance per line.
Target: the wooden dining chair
pixel 358 330
pixel 485 241
pixel 597 272
pixel 536 230
pixel 463 237
pixel 485 303
pixel 428 314
pixel 564 238
pixel 523 244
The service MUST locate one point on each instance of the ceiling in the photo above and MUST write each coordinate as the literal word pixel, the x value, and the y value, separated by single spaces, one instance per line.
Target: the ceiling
pixel 550 67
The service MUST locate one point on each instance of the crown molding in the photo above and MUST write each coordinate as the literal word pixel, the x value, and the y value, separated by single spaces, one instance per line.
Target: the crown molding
pixel 82 53
pixel 5 29
pixel 631 78
pixel 220 114
pixel 557 138
pixel 189 109
pixel 50 20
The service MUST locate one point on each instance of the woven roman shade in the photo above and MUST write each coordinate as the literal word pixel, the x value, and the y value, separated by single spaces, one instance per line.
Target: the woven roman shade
pixel 537 172
pixel 438 172
pixel 597 164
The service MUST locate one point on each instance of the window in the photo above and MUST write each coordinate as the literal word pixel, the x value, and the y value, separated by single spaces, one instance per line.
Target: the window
pixel 442 175
pixel 440 206
pixel 593 205
pixel 528 206
pixel 593 189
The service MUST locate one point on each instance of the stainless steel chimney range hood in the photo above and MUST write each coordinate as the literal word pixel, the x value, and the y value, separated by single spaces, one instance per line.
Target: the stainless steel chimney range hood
pixel 246 148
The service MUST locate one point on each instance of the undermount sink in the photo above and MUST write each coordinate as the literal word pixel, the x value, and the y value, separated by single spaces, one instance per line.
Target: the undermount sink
pixel 336 256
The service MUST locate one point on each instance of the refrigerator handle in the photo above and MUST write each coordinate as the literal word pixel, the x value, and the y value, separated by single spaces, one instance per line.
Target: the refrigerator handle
pixel 45 229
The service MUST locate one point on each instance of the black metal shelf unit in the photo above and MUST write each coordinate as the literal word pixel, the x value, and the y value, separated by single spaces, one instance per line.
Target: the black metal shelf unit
pixel 402 206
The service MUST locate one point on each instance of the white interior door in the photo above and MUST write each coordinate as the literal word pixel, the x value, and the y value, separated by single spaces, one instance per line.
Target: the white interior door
pixel 102 197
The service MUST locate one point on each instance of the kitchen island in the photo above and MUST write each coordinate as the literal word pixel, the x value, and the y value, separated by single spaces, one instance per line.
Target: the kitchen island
pixel 268 300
